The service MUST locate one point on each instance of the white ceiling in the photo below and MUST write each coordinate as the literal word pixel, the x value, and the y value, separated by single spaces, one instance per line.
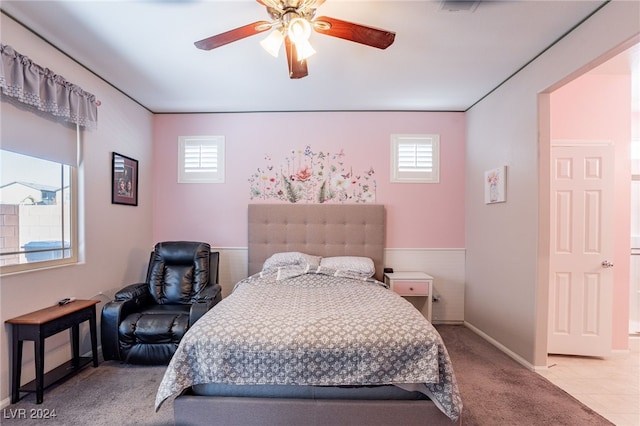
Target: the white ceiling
pixel 440 61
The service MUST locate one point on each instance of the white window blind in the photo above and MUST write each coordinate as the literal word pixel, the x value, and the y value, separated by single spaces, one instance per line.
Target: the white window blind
pixel 39 184
pixel 201 159
pixel 415 158
pixel 37 135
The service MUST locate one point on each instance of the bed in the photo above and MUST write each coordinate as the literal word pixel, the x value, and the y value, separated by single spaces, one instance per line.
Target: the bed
pixel 312 336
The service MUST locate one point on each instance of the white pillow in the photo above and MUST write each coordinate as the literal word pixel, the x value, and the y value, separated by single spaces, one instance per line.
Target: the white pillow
pixel 350 265
pixel 290 258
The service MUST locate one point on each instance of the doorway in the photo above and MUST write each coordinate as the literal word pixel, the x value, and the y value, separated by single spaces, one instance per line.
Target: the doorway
pixel 634 288
pixel 598 105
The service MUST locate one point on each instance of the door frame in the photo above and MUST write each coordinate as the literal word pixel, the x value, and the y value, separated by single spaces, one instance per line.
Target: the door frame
pixel 541 312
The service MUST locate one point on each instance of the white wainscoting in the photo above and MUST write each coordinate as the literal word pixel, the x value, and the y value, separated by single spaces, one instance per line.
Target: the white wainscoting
pixel 233 267
pixel 446 266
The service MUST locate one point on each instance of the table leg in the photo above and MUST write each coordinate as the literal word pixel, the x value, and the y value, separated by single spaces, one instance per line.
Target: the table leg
pixel 75 345
pixel 430 301
pixel 16 368
pixel 39 355
pixel 94 338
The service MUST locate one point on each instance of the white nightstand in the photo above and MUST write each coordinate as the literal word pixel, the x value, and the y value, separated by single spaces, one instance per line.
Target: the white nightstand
pixel 412 284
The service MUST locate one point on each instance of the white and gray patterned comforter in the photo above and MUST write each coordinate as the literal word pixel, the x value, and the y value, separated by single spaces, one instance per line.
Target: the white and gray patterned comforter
pixel 314 329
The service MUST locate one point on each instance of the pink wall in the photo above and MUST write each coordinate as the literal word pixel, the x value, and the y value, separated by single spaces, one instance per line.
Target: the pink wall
pixel 418 215
pixel 598 107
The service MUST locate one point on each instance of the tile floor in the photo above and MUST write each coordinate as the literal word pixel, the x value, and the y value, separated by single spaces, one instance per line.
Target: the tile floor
pixel 609 386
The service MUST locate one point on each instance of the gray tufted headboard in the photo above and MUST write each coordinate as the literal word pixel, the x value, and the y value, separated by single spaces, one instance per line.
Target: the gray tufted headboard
pixel 318 229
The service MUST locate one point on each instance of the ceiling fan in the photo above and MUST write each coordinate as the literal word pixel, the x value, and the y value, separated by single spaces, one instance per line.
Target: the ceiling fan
pixel 292 21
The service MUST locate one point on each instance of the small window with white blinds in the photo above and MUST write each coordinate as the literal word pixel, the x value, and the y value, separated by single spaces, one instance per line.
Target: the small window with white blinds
pixel 415 158
pixel 201 159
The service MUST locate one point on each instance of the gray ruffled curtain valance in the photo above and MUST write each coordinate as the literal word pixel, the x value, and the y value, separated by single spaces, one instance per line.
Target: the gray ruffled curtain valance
pixel 31 84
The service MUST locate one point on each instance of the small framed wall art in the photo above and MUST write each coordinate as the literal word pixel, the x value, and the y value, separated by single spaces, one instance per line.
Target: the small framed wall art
pixel 124 180
pixel 495 185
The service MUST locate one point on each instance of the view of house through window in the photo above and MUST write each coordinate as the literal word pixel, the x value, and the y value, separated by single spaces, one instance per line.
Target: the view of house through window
pixel 35 210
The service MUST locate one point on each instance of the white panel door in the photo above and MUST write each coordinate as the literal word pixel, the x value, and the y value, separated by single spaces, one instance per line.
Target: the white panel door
pixel 581 277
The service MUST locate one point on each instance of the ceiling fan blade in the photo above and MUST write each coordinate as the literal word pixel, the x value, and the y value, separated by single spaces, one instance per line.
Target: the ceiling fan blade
pixel 370 36
pixel 233 35
pixel 297 69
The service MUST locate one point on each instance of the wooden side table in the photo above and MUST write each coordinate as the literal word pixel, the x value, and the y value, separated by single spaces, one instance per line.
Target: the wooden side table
pixel 39 325
pixel 412 284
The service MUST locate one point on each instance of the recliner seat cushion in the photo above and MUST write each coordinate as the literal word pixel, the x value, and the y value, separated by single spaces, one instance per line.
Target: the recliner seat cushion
pixel 154 327
pixel 152 336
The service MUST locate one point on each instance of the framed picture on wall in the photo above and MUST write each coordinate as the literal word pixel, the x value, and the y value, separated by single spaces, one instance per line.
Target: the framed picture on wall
pixel 124 180
pixel 495 185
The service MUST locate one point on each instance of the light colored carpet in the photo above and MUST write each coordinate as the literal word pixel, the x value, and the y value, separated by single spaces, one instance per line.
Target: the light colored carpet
pixel 495 391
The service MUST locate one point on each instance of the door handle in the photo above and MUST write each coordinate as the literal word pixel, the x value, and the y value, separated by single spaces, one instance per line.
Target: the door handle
pixel 607 264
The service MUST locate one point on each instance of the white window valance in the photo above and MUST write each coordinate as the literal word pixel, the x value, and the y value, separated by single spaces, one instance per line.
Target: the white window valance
pixel 31 84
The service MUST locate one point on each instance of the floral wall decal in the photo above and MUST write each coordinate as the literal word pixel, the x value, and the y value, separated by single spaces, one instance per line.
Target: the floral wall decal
pixel 313 177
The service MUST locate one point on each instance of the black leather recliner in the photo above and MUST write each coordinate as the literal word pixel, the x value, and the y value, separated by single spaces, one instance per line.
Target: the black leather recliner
pixel 146 321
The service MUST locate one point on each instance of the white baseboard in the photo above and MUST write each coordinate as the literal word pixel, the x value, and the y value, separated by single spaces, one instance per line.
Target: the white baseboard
pixel 5 402
pixel 445 322
pixel 517 358
pixel 634 343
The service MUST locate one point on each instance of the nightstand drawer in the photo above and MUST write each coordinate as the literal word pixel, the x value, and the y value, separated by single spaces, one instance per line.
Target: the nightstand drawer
pixel 412 283
pixel 411 288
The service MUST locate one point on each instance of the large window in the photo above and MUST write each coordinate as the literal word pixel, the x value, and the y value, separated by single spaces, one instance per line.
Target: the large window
pixel 37 212
pixel 42 118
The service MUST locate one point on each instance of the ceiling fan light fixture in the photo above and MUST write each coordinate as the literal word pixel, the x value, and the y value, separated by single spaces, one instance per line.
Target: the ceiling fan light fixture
pixel 299 29
pixel 272 42
pixel 304 49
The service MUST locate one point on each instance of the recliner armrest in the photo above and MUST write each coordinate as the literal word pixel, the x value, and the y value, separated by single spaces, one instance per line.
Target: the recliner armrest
pixel 133 291
pixel 126 301
pixel 206 300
